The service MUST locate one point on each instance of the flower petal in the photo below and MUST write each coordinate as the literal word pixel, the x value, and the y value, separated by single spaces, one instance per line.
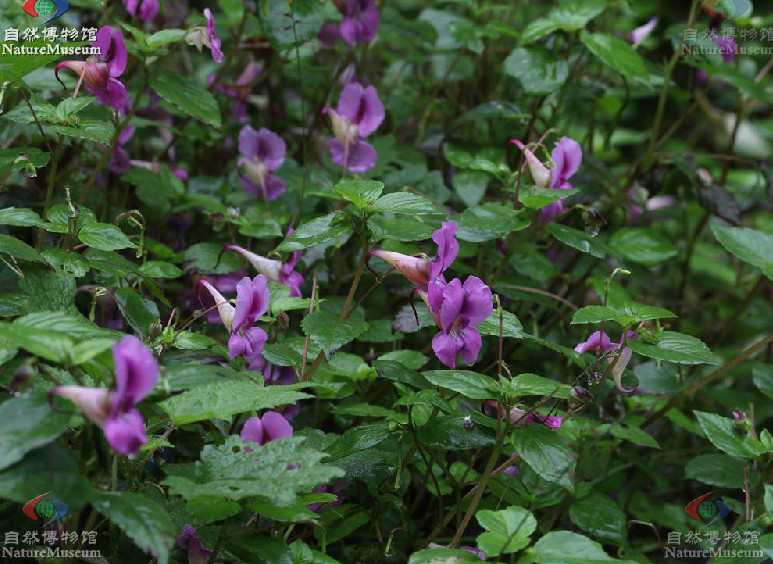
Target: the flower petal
pixel 470 344
pixel 446 348
pixel 126 433
pixel 253 431
pixel 275 426
pixel 270 148
pixel 136 370
pixel 447 248
pixel 453 301
pixel 478 301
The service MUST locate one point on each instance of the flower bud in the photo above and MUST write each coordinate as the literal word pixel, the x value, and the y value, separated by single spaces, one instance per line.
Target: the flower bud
pixel 579 396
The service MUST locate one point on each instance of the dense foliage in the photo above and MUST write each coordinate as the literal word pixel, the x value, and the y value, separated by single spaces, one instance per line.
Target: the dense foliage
pixel 299 281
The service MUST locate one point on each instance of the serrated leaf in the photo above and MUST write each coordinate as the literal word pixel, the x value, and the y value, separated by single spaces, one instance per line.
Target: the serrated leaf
pixel 187 96
pixel 750 245
pixel 719 470
pixel 577 240
pixel 105 237
pixel 18 249
pixel 331 333
pixel 507 530
pixel 600 517
pixel 316 231
pixel 546 453
pixel 406 203
pixel 489 221
pixel 722 433
pixel 362 193
pixel 469 384
pixel 565 547
pixel 616 54
pixel 538 70
pixel 675 347
pixel 641 245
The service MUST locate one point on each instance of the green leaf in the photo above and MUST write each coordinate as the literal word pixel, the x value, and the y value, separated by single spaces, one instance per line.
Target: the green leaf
pixel 70 263
pixel 140 312
pixel 569 15
pixel 449 432
pixel 47 289
pixel 160 269
pixel 616 54
pixel 470 185
pixel 535 198
pixel 565 547
pixel 19 65
pixel 470 384
pixel 51 345
pixel 533 385
pixel 142 520
pixel 768 499
pixel 28 422
pixel 675 347
pixel 316 231
pixel 18 249
pixel 718 470
pixel 600 517
pixel 577 240
pixel 442 555
pixel 722 433
pixel 507 531
pixel 762 376
pixel 511 325
pixel 221 400
pixel 285 27
pixel 187 96
pixel 750 245
pixel 399 228
pixel 631 313
pixel 23 217
pixel 89 129
pixel 71 106
pixel 331 333
pixel 285 467
pixel 546 453
pixel 489 221
pixel 634 434
pixel 362 193
pixel 279 354
pixel 406 203
pixel 105 237
pixel 22 157
pixel 538 70
pixel 641 245
pixel 164 37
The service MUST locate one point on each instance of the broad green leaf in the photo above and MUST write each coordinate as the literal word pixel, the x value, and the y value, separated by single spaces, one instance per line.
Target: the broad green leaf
pixel 105 237
pixel 316 231
pixel 470 384
pixel 329 332
pixel 577 240
pixel 538 70
pixel 675 347
pixel 47 289
pixel 28 422
pixel 511 325
pixel 616 54
pixel 634 434
pixel 71 263
pixel 470 186
pixel 546 453
pixel 51 345
pixel 23 217
pixel 164 37
pixel 569 15
pixel 140 312
pixel 406 203
pixel 719 470
pixel 279 354
pixel 187 96
pixel 142 520
pixel 210 508
pixel 762 376
pixel 533 385
pixel 600 517
pixel 507 530
pixel 535 198
pixel 441 555
pixel 626 316
pixel 449 432
pixel 750 245
pixel 641 245
pixel 285 27
pixel 362 193
pixel 489 221
pixel 398 228
pixel 722 433
pixel 21 158
pixel 18 249
pixel 285 467
pixel 565 547
pixel 89 129
pixel 221 400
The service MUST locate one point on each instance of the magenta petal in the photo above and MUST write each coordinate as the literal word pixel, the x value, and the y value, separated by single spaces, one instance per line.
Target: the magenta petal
pixel 273 188
pixel 453 301
pixel 126 433
pixel 270 148
pixel 197 554
pixel 470 344
pixel 447 248
pixel 362 157
pixel 248 142
pixel 435 294
pixel 567 157
pixel 349 101
pixel 599 341
pixel 478 301
pixel 275 426
pixel 446 348
pixel 370 113
pixel 148 10
pixel 136 370
pixel 550 211
pixel 252 299
pixel 115 94
pixel 252 432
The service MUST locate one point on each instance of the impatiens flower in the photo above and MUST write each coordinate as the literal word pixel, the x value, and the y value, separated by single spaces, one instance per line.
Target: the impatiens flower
pixel 358 114
pixel 336 490
pixel 457 309
pixel 136 372
pixel 201 37
pixel 566 157
pixel 422 270
pixel 479 553
pixel 520 417
pixel 728 49
pixel 642 32
pixel 598 341
pixel 739 415
pixel 119 160
pixel 252 301
pixel 262 152
pixel 360 23
pixel 270 427
pixel 240 90
pixel 275 270
pixel 188 541
pixel 99 73
pixel 148 9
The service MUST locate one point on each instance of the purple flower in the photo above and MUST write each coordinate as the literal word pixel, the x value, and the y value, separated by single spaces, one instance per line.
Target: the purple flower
pixel 148 9
pixel 566 157
pixel 252 301
pixel 728 49
pixel 457 309
pixel 136 372
pixel 270 427
pixel 99 73
pixel 262 152
pixel 335 489
pixel 421 271
pixel 201 37
pixel 360 23
pixel 188 540
pixel 642 32
pixel 359 113
pixel 479 553
pixel 275 270
pixel 549 421
pixel 241 89
pixel 598 341
pixel 119 160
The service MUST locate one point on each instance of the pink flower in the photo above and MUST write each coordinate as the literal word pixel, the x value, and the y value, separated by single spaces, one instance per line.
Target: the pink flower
pixel 262 152
pixel 275 270
pixel 642 32
pixel 201 37
pixel 270 427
